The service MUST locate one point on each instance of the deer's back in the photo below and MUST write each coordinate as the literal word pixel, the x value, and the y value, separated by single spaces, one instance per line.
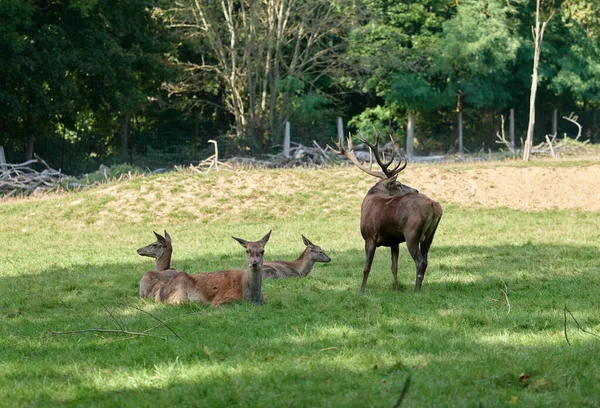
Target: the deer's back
pixel 279 269
pixel 152 281
pixel 204 287
pixel 385 219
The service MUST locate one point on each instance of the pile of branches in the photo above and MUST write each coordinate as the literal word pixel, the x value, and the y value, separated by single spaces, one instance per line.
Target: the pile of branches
pixel 302 156
pixel 553 146
pixel 23 179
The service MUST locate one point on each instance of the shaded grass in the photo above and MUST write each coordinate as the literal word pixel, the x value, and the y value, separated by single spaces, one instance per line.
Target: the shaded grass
pixel 316 341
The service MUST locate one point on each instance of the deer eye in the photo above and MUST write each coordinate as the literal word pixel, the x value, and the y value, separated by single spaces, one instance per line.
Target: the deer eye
pixel 262 252
pixel 247 251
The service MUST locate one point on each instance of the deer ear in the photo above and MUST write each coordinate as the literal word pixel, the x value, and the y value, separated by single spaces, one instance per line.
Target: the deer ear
pixel 306 241
pixel 242 242
pixel 159 238
pixel 167 236
pixel 265 239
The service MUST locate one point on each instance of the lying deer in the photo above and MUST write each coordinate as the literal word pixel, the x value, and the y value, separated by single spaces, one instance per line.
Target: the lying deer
pixel 220 287
pixel 300 267
pixel 161 250
pixel 393 213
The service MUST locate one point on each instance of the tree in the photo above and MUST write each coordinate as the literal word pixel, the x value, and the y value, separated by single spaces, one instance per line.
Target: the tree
pixel 65 63
pixel 538 36
pixel 259 56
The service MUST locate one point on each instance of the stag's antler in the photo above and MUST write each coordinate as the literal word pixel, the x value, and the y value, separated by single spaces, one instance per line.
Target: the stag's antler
pixel 381 159
pixel 374 149
pixel 349 154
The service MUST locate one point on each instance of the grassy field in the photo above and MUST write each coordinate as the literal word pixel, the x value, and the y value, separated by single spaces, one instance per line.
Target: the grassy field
pixel 487 330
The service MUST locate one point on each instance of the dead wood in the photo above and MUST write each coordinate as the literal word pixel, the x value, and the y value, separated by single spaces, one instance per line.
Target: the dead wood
pixel 24 179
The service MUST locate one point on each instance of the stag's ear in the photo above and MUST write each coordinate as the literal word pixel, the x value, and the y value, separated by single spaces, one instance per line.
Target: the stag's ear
pixel 167 237
pixel 306 241
pixel 242 242
pixel 159 238
pixel 265 239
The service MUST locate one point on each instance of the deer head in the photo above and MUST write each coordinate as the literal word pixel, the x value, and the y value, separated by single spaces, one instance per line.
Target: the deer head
pixel 388 183
pixel 157 249
pixel 316 253
pixel 254 250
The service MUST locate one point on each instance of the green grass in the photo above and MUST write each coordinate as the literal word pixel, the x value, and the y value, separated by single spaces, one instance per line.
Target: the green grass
pixel 68 264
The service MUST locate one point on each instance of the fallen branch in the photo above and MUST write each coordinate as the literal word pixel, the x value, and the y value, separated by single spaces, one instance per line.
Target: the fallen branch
pixel 129 333
pixel 576 322
pixel 404 393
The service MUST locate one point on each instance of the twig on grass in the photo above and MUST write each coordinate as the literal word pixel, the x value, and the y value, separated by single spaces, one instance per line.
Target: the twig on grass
pixel 129 333
pixel 505 293
pixel 403 393
pixel 577 323
pixel 565 313
pixel 162 323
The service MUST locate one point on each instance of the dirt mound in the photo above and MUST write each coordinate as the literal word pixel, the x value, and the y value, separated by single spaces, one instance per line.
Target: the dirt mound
pixel 523 188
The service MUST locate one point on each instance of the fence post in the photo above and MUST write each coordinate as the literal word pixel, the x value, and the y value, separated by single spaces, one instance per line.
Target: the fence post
pixel 2 159
pixel 410 135
pixel 286 140
pixel 340 129
pixel 512 128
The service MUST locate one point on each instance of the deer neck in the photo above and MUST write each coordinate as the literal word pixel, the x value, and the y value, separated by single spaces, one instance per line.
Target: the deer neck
pixel 253 285
pixel 304 263
pixel 164 262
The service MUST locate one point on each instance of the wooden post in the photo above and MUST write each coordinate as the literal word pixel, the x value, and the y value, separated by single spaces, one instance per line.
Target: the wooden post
pixel 340 129
pixel 512 128
pixel 2 159
pixel 460 133
pixel 555 122
pixel 196 131
pixel 410 135
pixel 286 140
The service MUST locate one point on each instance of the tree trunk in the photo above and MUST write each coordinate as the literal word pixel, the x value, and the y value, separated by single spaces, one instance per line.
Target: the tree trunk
pixel 31 123
pixel 124 133
pixel 538 36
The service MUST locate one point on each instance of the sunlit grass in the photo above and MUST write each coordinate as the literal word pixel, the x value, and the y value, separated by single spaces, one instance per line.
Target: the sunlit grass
pixel 69 263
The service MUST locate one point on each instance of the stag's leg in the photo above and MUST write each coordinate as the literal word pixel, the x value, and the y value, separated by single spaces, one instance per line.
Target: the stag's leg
pixel 395 250
pixel 369 254
pixel 413 246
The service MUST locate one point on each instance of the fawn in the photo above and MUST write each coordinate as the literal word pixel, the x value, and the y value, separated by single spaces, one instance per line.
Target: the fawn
pixel 161 250
pixel 298 268
pixel 220 287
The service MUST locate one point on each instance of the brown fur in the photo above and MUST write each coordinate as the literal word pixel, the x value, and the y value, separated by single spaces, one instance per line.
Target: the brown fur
pixel 161 250
pixel 297 268
pixel 393 213
pixel 220 287
pixel 388 220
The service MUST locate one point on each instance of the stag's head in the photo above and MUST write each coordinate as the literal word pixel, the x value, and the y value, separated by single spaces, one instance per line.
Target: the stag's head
pixel 388 183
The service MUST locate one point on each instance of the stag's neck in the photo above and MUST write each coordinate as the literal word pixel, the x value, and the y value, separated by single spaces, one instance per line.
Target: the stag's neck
pixel 253 285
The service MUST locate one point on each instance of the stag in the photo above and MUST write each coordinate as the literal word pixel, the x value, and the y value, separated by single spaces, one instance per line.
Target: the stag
pixel 393 213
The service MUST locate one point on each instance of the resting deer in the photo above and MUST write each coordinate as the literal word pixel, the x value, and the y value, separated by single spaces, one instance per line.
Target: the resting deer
pixel 300 267
pixel 161 250
pixel 393 213
pixel 220 287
